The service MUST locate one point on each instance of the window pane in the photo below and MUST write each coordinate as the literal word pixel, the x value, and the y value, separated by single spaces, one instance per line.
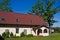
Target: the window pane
pixel 17 30
pixel 40 31
pixel 25 31
pixel 6 30
pixel 31 21
pixel 2 19
pixel 45 30
pixel 16 20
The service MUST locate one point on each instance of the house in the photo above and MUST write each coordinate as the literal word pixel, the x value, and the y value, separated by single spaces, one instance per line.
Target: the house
pixel 27 23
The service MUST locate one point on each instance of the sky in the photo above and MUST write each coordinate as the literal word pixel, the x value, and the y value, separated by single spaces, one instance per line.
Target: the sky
pixel 23 6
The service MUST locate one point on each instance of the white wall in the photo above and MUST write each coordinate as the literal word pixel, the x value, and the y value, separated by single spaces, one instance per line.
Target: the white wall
pixel 34 34
pixel 21 29
pixel 2 29
pixel 44 34
pixel 11 29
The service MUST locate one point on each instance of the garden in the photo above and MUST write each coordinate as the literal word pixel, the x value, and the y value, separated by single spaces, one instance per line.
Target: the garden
pixel 53 36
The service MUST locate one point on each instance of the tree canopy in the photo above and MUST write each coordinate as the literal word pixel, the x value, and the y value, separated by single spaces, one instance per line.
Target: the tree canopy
pixel 46 10
pixel 5 6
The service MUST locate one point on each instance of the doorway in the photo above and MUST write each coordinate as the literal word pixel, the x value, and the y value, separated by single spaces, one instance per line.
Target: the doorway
pixel 39 31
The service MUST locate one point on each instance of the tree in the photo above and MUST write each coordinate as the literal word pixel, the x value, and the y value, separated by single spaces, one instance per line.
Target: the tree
pixel 45 9
pixel 5 6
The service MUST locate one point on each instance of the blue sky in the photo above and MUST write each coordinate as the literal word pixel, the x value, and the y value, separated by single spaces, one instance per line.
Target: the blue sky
pixel 22 6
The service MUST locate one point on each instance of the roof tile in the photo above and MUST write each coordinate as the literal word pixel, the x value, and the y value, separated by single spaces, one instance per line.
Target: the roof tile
pixel 24 19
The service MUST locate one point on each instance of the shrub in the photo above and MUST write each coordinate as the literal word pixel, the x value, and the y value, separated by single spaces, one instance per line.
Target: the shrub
pixel 5 34
pixel 11 35
pixel 14 36
pixel 30 35
pixel 22 34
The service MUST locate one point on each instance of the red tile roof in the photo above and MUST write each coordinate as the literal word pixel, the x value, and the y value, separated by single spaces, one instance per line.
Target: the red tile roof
pixel 24 19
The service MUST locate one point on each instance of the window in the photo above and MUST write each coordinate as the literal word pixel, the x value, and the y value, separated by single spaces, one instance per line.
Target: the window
pixel 45 30
pixel 17 30
pixel 25 31
pixel 2 19
pixel 6 30
pixel 40 31
pixel 31 21
pixel 17 20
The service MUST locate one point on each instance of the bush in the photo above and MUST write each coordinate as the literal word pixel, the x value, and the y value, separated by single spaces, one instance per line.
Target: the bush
pixel 5 35
pixel 30 35
pixel 11 35
pixel 22 34
pixel 14 36
pixel 8 34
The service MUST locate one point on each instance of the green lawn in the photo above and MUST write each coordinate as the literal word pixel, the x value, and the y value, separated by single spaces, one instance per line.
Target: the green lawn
pixel 54 36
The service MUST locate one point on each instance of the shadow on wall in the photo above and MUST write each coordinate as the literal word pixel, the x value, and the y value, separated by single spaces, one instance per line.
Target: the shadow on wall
pixel 1 38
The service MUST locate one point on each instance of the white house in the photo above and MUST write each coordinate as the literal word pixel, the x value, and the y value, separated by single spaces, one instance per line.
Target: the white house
pixel 27 23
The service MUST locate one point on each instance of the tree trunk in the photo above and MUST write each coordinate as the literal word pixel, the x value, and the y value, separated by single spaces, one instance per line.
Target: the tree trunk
pixel 49 26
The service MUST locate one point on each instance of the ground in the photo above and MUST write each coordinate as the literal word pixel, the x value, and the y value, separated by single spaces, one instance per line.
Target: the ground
pixel 53 36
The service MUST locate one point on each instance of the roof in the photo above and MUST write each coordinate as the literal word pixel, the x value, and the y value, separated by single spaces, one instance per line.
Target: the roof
pixel 19 18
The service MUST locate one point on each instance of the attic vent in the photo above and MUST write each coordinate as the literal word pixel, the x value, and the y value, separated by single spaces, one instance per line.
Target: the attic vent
pixel 17 20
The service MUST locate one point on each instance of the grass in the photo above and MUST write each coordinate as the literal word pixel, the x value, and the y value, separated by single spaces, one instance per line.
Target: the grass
pixel 54 36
